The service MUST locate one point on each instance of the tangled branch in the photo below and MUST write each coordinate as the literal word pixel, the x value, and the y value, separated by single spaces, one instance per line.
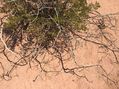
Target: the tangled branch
pixel 35 29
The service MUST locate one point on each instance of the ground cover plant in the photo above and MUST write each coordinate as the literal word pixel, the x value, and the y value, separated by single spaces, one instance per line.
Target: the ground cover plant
pixel 34 29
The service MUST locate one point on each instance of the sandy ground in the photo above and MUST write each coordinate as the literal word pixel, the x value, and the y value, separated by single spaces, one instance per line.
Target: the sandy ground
pixel 85 55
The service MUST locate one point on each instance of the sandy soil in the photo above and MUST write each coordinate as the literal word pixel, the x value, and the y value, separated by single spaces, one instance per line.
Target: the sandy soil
pixel 22 78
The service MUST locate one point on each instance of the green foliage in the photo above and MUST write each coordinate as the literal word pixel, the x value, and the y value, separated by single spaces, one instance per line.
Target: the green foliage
pixel 45 20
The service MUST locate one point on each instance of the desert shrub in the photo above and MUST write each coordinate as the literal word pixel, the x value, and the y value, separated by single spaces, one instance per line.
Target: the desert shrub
pixel 45 22
pixel 40 27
